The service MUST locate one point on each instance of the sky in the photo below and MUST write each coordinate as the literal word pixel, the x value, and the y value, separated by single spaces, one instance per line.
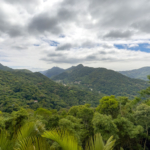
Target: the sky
pixel 40 34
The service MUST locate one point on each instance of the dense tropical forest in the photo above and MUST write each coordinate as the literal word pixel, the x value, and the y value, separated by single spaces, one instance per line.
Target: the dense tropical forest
pixel 79 127
pixel 101 80
pixel 34 90
pixel 37 113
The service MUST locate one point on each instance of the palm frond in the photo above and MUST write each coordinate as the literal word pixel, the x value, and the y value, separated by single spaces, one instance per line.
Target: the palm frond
pixel 97 143
pixel 63 138
pixel 5 142
pixel 33 143
pixel 29 138
pixel 30 129
pixel 109 144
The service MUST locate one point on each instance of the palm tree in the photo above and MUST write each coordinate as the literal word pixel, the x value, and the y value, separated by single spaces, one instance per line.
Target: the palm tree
pixel 69 142
pixel 97 143
pixel 29 138
pixel 63 138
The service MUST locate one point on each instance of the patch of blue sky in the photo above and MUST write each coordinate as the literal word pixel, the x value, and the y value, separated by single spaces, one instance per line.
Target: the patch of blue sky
pixel 53 43
pixel 144 47
pixel 50 42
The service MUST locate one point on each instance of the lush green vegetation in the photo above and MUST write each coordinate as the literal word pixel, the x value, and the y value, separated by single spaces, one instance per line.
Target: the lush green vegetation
pixel 141 73
pixel 38 114
pixel 80 127
pixel 34 90
pixel 22 70
pixel 101 80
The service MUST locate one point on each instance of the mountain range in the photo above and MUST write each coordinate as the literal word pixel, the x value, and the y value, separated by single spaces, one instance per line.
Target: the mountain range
pixel 34 90
pixel 101 80
pixel 141 73
pixel 74 86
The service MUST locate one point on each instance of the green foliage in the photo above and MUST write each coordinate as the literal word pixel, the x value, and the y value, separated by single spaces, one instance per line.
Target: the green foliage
pixel 63 138
pixel 5 143
pixel 85 114
pixel 147 102
pixel 32 143
pixel 108 105
pixel 29 137
pixel 142 115
pixel 22 70
pixel 72 125
pixel 104 124
pixel 16 121
pixel 127 131
pixel 53 121
pixel 127 128
pixel 43 112
pixel 97 143
pixel 72 130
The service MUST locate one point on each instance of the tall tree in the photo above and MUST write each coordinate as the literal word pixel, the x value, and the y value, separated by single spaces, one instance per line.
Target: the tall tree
pixel 142 115
pixel 109 106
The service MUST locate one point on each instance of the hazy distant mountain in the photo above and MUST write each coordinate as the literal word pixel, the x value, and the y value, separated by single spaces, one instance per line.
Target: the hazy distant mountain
pixel 102 80
pixel 52 72
pixel 141 73
pixel 5 68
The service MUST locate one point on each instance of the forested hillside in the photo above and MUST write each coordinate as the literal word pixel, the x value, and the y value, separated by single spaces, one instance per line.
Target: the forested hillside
pixel 22 70
pixel 5 68
pixel 141 73
pixel 33 90
pixel 101 80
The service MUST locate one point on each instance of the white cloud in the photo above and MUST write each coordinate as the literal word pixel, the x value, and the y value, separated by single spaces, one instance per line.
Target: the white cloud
pixel 89 28
pixel 133 45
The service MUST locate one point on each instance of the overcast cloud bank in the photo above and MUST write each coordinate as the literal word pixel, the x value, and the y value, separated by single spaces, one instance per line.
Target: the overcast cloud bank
pixel 37 34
